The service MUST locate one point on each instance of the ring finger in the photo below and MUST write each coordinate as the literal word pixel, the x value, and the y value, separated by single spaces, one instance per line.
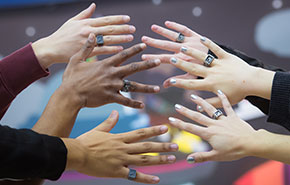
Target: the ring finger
pixel 146 160
pixel 138 87
pixel 145 147
pixel 165 32
pixel 114 39
pixel 114 30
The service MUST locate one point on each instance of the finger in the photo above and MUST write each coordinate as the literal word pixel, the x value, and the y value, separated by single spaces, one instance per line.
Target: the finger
pixel 189 127
pixel 219 52
pixel 86 13
pixel 142 88
pixel 180 28
pixel 191 68
pixel 166 83
pixel 215 101
pixel 195 53
pixel 162 44
pixel 106 50
pixel 113 30
pixel 200 157
pixel 117 39
pixel 109 123
pixel 86 50
pixel 192 84
pixel 147 160
pixel 144 133
pixel 193 115
pixel 164 32
pixel 120 99
pixel 137 67
pixel 226 104
pixel 141 177
pixel 108 20
pixel 164 58
pixel 126 54
pixel 148 147
pixel 208 108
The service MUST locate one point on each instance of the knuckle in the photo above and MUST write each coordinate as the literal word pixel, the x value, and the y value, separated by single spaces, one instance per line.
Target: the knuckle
pixel 147 146
pixel 141 133
pixel 144 159
pixel 124 54
pixel 107 20
pixel 111 30
pixel 162 158
pixel 126 102
pixel 134 67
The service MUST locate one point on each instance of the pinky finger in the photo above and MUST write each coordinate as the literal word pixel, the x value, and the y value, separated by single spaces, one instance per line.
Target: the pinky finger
pixel 106 50
pixel 164 58
pixel 120 99
pixel 141 177
pixel 226 104
pixel 200 157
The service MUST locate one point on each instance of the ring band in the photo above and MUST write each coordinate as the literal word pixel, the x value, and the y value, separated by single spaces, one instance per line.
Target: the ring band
pixel 127 86
pixel 100 40
pixel 180 38
pixel 132 174
pixel 208 60
pixel 218 113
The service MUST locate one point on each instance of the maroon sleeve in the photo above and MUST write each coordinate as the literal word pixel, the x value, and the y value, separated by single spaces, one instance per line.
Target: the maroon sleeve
pixel 17 71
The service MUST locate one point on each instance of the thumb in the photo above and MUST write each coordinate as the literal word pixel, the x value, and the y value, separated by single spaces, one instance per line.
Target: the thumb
pixel 200 157
pixel 86 50
pixel 215 101
pixel 87 13
pixel 109 123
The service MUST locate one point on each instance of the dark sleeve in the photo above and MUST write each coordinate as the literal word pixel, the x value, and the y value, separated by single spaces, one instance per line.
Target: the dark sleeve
pixel 261 103
pixel 17 71
pixel 25 154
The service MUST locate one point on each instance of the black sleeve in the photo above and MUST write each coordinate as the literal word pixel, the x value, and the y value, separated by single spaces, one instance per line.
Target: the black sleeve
pixel 261 103
pixel 25 154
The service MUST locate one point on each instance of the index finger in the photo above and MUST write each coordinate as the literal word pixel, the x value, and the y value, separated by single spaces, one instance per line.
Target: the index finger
pixel 144 133
pixel 126 54
pixel 108 20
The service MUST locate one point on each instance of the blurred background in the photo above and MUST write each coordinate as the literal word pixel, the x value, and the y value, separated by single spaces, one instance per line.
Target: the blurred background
pixel 259 28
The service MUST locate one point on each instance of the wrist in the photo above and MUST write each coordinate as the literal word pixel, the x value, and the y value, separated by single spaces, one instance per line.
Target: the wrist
pixel 260 82
pixel 42 53
pixel 72 99
pixel 255 146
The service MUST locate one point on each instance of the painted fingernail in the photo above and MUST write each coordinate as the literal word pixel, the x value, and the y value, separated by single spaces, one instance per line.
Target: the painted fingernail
pixel 126 18
pixel 173 60
pixel 155 179
pixel 120 48
pixel 171 158
pixel 143 46
pixel 190 160
pixel 202 39
pixel 157 61
pixel 173 146
pixel 91 38
pixel 156 89
pixel 193 96
pixel 171 119
pixel 132 29
pixel 183 49
pixel 199 108
pixel 177 106
pixel 163 128
pixel 172 81
pixel 220 92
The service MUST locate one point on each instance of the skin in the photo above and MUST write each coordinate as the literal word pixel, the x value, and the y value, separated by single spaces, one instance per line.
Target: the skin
pixel 72 35
pixel 230 137
pixel 217 76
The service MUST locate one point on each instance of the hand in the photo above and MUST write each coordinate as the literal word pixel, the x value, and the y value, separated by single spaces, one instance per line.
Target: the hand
pixel 109 155
pixel 71 36
pixel 191 40
pixel 228 73
pixel 230 137
pixel 98 83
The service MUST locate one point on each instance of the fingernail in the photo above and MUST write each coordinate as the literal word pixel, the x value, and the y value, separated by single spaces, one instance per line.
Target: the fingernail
pixel 173 60
pixel 202 39
pixel 144 38
pixel 154 27
pixel 172 81
pixel 171 119
pixel 91 38
pixel 220 92
pixel 171 158
pixel 190 160
pixel 177 106
pixel 199 108
pixel 144 57
pixel 155 179
pixel 183 49
pixel 156 88
pixel 126 18
pixel 163 128
pixel 113 114
pixel 132 29
pixel 157 61
pixel 173 146
pixel 141 105
pixel 130 37
pixel 143 46
pixel 193 96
